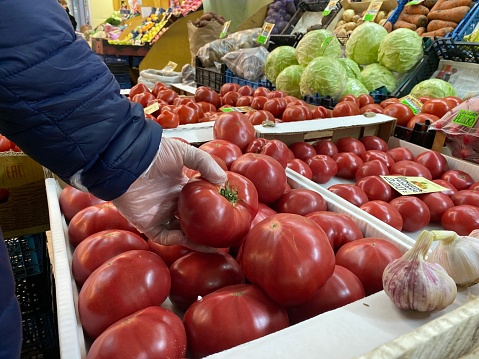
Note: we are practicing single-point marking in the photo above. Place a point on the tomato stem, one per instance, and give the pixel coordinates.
(230, 194)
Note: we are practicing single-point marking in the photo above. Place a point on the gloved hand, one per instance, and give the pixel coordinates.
(151, 202)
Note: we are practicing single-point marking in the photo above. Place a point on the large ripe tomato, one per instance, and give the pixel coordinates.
(153, 332)
(466, 196)
(421, 118)
(367, 258)
(288, 256)
(230, 98)
(224, 149)
(276, 94)
(206, 106)
(278, 150)
(365, 99)
(339, 228)
(228, 87)
(302, 150)
(256, 145)
(323, 168)
(350, 192)
(401, 112)
(376, 188)
(437, 203)
(217, 216)
(143, 98)
(414, 212)
(266, 173)
(167, 95)
(234, 127)
(276, 106)
(385, 212)
(138, 88)
(342, 288)
(169, 254)
(346, 108)
(186, 114)
(375, 108)
(350, 98)
(258, 117)
(73, 201)
(400, 154)
(374, 143)
(459, 179)
(350, 144)
(371, 168)
(456, 100)
(128, 282)
(450, 189)
(296, 113)
(235, 314)
(325, 147)
(410, 168)
(96, 249)
(378, 155)
(5, 144)
(206, 94)
(94, 219)
(462, 219)
(261, 91)
(301, 201)
(245, 90)
(321, 112)
(300, 167)
(244, 101)
(168, 119)
(258, 102)
(198, 274)
(388, 102)
(434, 161)
(474, 186)
(159, 86)
(348, 163)
(438, 107)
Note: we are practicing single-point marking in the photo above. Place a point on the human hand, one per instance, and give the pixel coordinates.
(151, 202)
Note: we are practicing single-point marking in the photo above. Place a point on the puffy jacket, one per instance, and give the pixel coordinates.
(61, 105)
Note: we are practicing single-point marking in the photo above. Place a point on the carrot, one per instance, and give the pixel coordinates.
(437, 5)
(416, 9)
(420, 30)
(439, 24)
(455, 15)
(400, 24)
(451, 4)
(388, 26)
(438, 33)
(429, 3)
(418, 20)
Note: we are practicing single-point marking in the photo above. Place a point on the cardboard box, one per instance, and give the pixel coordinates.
(25, 211)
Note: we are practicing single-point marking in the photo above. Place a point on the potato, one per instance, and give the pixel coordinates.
(356, 18)
(341, 33)
(340, 23)
(350, 26)
(349, 33)
(382, 22)
(348, 15)
(380, 15)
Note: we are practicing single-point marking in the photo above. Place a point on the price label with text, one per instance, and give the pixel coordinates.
(265, 32)
(331, 5)
(407, 185)
(170, 67)
(226, 26)
(372, 10)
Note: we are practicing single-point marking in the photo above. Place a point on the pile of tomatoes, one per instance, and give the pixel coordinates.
(7, 145)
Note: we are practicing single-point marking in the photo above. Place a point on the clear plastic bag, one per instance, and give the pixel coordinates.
(188, 75)
(247, 63)
(150, 77)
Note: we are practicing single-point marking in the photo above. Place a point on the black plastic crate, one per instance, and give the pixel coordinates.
(461, 51)
(378, 95)
(112, 59)
(284, 40)
(119, 68)
(34, 293)
(317, 6)
(123, 80)
(40, 339)
(419, 135)
(27, 254)
(135, 61)
(232, 78)
(209, 77)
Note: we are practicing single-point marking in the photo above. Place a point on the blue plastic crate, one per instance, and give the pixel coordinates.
(467, 25)
(136, 60)
(231, 78)
(112, 59)
(26, 254)
(378, 95)
(123, 80)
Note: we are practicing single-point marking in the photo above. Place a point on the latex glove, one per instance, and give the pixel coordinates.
(151, 202)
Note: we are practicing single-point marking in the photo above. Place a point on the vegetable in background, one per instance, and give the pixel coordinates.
(354, 87)
(279, 59)
(435, 88)
(352, 69)
(317, 43)
(376, 75)
(400, 50)
(279, 13)
(363, 45)
(323, 75)
(288, 80)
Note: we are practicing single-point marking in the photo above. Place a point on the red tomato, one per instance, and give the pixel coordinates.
(388, 102)
(399, 111)
(400, 154)
(245, 90)
(167, 95)
(215, 216)
(367, 258)
(258, 117)
(153, 332)
(371, 168)
(150, 117)
(73, 200)
(160, 103)
(302, 150)
(94, 219)
(437, 203)
(339, 228)
(466, 196)
(225, 150)
(342, 288)
(256, 145)
(276, 94)
(99, 247)
(133, 280)
(350, 98)
(325, 147)
(414, 212)
(300, 167)
(365, 99)
(424, 99)
(438, 107)
(159, 86)
(378, 155)
(350, 144)
(474, 186)
(450, 189)
(228, 87)
(244, 101)
(459, 179)
(168, 119)
(138, 88)
(265, 172)
(462, 219)
(182, 101)
(346, 108)
(457, 101)
(321, 112)
(375, 188)
(143, 98)
(410, 168)
(384, 212)
(375, 108)
(236, 314)
(234, 127)
(276, 106)
(198, 274)
(258, 102)
(169, 254)
(348, 163)
(434, 161)
(300, 201)
(350, 193)
(278, 150)
(374, 143)
(296, 113)
(186, 114)
(322, 167)
(205, 94)
(207, 107)
(421, 118)
(230, 98)
(261, 91)
(288, 256)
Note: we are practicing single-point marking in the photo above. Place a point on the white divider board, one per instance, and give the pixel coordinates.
(194, 133)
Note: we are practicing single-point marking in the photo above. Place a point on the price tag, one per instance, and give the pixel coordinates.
(265, 32)
(226, 26)
(331, 5)
(412, 185)
(372, 11)
(414, 2)
(238, 109)
(466, 118)
(170, 67)
(152, 108)
(413, 103)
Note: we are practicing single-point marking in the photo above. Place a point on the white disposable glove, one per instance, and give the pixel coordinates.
(151, 202)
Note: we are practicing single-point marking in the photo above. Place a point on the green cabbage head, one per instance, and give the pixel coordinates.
(355, 87)
(436, 88)
(352, 68)
(323, 75)
(279, 59)
(376, 75)
(288, 80)
(317, 43)
(363, 44)
(400, 50)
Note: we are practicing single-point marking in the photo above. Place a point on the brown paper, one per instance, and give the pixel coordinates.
(200, 36)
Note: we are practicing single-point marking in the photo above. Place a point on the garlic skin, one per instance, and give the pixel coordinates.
(412, 283)
(458, 255)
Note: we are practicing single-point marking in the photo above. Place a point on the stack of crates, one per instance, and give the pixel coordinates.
(34, 290)
(120, 68)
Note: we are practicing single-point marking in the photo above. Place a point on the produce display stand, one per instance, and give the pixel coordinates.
(102, 47)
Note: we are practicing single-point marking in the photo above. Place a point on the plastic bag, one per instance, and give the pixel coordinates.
(461, 126)
(247, 63)
(188, 75)
(200, 36)
(150, 77)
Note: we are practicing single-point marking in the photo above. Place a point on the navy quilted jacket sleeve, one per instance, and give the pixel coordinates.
(61, 105)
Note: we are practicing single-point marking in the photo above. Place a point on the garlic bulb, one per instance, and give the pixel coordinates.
(458, 255)
(414, 284)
